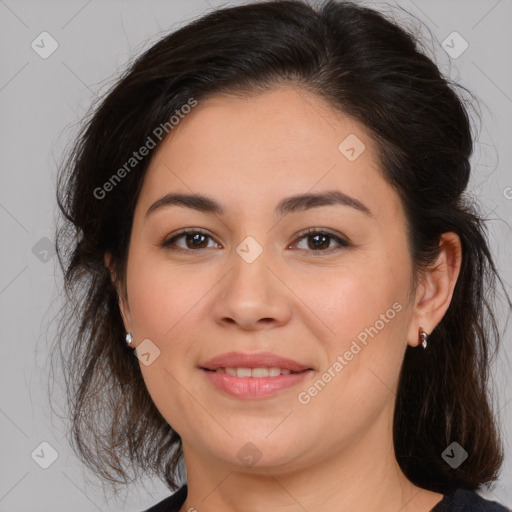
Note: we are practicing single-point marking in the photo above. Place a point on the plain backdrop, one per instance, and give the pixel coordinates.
(42, 98)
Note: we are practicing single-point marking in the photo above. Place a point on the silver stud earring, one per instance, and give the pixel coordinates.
(129, 338)
(423, 337)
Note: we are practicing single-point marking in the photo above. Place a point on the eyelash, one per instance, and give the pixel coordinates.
(168, 244)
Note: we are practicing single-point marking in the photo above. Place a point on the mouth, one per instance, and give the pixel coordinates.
(253, 376)
(257, 373)
(253, 383)
(259, 364)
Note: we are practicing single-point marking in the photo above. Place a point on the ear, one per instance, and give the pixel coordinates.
(122, 299)
(435, 291)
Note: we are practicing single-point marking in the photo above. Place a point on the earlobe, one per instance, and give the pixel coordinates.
(435, 291)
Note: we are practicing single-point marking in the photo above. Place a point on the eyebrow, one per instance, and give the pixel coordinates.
(291, 204)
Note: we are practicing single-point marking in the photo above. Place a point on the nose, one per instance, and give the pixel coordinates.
(253, 296)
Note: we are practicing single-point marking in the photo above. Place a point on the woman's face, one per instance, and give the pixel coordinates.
(254, 281)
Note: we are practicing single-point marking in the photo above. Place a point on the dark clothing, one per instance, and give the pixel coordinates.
(172, 503)
(460, 500)
(463, 500)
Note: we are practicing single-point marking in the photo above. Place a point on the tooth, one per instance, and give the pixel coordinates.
(243, 372)
(254, 372)
(260, 372)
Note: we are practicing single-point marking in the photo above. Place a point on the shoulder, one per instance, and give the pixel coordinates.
(465, 500)
(172, 503)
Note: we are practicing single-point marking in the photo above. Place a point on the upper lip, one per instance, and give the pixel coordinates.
(255, 360)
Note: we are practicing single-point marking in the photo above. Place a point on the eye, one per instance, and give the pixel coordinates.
(320, 241)
(193, 239)
(196, 240)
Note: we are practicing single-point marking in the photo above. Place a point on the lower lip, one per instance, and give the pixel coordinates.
(253, 387)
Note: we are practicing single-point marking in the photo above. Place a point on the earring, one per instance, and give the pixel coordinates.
(423, 337)
(129, 338)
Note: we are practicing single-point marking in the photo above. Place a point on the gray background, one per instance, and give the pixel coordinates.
(41, 100)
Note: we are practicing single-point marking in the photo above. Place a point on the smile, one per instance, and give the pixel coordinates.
(253, 383)
(254, 372)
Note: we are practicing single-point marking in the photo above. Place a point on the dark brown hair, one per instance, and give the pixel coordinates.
(372, 70)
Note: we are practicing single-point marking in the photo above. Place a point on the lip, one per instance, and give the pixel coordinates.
(253, 387)
(254, 360)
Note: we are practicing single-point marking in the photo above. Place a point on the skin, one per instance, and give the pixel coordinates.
(248, 153)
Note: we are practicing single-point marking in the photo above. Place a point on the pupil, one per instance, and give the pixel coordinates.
(316, 237)
(196, 238)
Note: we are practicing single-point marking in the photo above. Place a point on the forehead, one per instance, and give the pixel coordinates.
(253, 150)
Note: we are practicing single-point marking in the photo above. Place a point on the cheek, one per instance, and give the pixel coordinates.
(355, 298)
(165, 303)
(161, 295)
(367, 317)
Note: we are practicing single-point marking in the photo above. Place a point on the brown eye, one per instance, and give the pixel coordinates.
(193, 240)
(319, 241)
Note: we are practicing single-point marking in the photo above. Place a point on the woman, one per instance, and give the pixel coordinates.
(270, 208)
